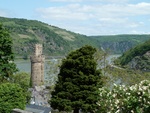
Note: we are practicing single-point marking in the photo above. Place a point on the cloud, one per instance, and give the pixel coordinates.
(139, 9)
(65, 0)
(95, 16)
(69, 12)
(83, 12)
(114, 20)
(112, 1)
(135, 25)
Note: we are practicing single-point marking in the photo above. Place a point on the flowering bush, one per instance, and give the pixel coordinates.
(125, 99)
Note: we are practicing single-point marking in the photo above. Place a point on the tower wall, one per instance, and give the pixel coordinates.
(37, 66)
(38, 50)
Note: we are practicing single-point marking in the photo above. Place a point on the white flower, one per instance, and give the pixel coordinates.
(128, 93)
(139, 93)
(114, 95)
(144, 87)
(118, 111)
(117, 101)
(125, 94)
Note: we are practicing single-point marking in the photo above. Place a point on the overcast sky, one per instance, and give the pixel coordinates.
(88, 17)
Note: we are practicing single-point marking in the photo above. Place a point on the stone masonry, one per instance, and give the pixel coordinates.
(37, 66)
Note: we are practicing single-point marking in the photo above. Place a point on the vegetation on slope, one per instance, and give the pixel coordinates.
(117, 38)
(56, 41)
(120, 43)
(139, 52)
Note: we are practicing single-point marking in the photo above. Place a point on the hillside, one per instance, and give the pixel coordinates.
(137, 57)
(56, 41)
(119, 44)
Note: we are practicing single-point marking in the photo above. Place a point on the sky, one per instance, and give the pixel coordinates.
(88, 17)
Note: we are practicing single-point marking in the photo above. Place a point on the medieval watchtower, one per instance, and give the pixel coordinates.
(37, 66)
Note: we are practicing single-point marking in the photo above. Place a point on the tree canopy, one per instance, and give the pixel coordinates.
(23, 80)
(78, 82)
(7, 67)
(11, 96)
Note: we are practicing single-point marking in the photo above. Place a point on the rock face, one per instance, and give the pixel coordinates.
(119, 47)
(141, 62)
(40, 96)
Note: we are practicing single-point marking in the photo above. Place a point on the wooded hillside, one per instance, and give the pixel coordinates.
(57, 41)
(137, 57)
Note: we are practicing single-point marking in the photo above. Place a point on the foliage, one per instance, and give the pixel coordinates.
(118, 38)
(124, 76)
(78, 82)
(136, 51)
(11, 96)
(118, 44)
(55, 41)
(125, 99)
(7, 66)
(141, 63)
(23, 80)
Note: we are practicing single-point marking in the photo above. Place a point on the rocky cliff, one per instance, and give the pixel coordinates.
(137, 58)
(141, 62)
(117, 47)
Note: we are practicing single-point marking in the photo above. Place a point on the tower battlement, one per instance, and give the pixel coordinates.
(37, 66)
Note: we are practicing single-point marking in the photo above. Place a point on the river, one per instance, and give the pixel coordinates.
(51, 68)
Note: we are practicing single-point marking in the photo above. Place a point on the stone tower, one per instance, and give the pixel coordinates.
(37, 66)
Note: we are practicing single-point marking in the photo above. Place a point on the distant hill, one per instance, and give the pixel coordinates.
(137, 57)
(57, 41)
(119, 44)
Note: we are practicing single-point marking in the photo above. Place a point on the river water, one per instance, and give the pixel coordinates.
(25, 65)
(51, 67)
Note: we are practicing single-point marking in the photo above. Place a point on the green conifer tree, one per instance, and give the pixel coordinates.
(78, 82)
